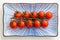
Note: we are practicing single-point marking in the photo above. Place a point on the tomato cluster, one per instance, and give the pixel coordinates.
(30, 19)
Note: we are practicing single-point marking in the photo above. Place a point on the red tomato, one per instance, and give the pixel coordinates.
(37, 23)
(13, 24)
(21, 24)
(41, 14)
(48, 15)
(29, 23)
(33, 14)
(44, 23)
(17, 14)
(26, 14)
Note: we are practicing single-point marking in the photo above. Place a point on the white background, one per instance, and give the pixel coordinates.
(28, 38)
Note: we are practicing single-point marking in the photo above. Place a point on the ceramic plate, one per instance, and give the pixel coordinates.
(10, 8)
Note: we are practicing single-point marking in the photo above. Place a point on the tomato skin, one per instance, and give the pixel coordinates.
(44, 23)
(48, 15)
(33, 14)
(41, 14)
(17, 14)
(26, 14)
(21, 24)
(37, 24)
(13, 24)
(29, 23)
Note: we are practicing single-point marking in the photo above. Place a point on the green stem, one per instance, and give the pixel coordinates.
(26, 18)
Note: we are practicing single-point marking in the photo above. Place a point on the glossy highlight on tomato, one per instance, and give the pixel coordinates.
(17, 14)
(44, 23)
(37, 24)
(26, 14)
(48, 15)
(13, 24)
(21, 24)
(29, 23)
(33, 14)
(41, 14)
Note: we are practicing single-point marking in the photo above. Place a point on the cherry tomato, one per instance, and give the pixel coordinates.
(26, 14)
(44, 23)
(13, 24)
(17, 14)
(29, 23)
(41, 14)
(48, 15)
(33, 14)
(21, 24)
(37, 23)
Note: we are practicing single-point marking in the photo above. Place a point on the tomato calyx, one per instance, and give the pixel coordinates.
(32, 14)
(17, 12)
(24, 13)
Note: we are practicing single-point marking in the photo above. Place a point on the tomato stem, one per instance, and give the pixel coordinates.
(26, 18)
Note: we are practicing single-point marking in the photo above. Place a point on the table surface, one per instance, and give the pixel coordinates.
(26, 38)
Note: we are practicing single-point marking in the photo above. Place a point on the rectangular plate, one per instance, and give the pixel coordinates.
(10, 8)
